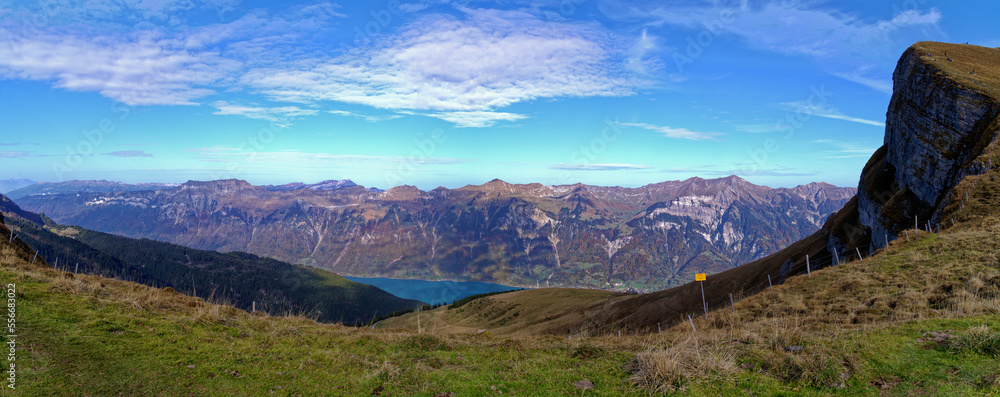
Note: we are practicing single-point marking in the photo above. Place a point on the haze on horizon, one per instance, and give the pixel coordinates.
(450, 93)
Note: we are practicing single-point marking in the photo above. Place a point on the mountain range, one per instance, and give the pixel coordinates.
(650, 237)
(7, 185)
(76, 186)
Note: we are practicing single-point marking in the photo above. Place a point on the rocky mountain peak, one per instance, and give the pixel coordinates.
(332, 184)
(221, 185)
(402, 192)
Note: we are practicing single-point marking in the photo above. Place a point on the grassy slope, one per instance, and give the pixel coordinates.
(526, 312)
(83, 335)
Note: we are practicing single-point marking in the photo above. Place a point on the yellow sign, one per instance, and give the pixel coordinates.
(699, 277)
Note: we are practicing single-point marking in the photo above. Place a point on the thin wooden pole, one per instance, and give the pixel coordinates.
(731, 303)
(692, 324)
(859, 253)
(769, 286)
(703, 302)
(34, 257)
(809, 272)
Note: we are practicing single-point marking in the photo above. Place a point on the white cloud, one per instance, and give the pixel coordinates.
(822, 110)
(276, 114)
(476, 119)
(638, 60)
(598, 167)
(365, 117)
(141, 69)
(672, 132)
(489, 60)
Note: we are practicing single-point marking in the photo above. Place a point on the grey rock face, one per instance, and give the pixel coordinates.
(934, 131)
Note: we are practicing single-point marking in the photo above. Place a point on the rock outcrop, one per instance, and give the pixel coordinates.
(942, 116)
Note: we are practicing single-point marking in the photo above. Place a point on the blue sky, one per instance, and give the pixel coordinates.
(449, 93)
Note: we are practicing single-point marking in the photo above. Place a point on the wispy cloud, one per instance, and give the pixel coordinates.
(846, 46)
(296, 158)
(476, 118)
(15, 154)
(368, 118)
(781, 172)
(843, 150)
(139, 69)
(822, 110)
(673, 132)
(758, 128)
(276, 114)
(129, 153)
(487, 60)
(144, 52)
(598, 167)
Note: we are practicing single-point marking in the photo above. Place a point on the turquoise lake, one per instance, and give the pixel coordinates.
(432, 292)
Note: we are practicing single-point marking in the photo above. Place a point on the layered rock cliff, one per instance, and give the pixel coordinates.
(940, 125)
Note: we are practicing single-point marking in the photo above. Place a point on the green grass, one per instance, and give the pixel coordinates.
(78, 338)
(88, 336)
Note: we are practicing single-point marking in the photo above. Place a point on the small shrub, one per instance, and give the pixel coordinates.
(671, 369)
(980, 339)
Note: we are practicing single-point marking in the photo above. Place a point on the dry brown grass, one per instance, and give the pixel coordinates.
(952, 275)
(974, 66)
(669, 370)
